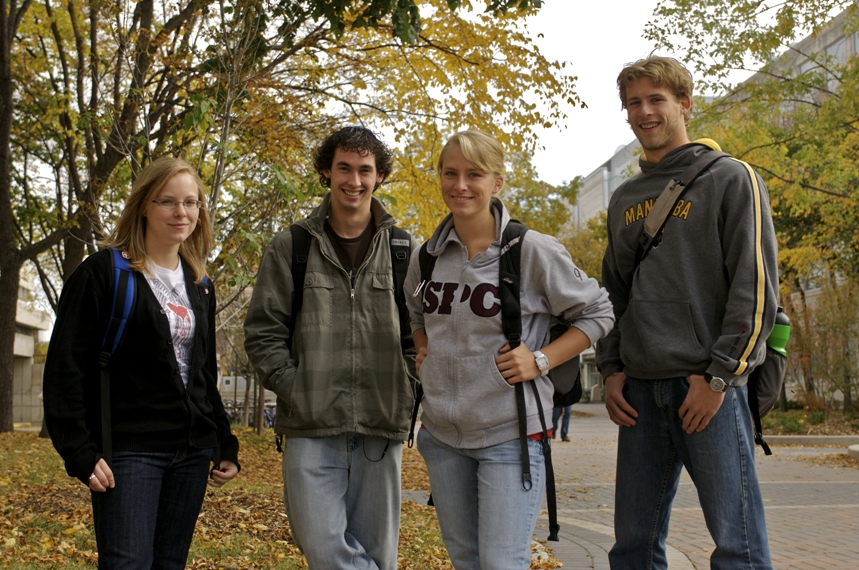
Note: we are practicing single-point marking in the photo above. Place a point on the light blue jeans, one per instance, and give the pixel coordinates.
(486, 517)
(342, 497)
(721, 462)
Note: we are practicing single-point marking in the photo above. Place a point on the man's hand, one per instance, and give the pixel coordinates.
(700, 405)
(517, 365)
(222, 473)
(618, 408)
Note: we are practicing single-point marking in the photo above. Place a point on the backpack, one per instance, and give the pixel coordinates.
(120, 308)
(401, 252)
(767, 379)
(566, 377)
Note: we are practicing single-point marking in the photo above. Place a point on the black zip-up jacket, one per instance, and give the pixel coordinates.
(151, 410)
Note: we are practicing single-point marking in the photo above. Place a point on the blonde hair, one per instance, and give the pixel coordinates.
(478, 148)
(662, 71)
(130, 231)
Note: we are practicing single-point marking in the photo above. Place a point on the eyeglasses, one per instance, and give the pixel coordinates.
(172, 204)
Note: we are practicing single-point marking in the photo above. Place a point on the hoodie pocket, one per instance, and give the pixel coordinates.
(660, 335)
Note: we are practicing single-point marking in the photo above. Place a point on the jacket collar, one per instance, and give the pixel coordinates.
(315, 222)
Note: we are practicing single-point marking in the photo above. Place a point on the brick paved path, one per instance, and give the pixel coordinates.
(812, 510)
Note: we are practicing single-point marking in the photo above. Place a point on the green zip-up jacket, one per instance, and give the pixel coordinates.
(346, 371)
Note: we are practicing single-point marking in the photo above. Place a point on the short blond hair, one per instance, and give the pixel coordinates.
(662, 71)
(130, 231)
(479, 148)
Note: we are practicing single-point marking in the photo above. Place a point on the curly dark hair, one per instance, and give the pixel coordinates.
(352, 139)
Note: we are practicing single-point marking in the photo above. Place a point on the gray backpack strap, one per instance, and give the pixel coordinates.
(655, 221)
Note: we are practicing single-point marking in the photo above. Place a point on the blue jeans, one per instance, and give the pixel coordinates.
(342, 497)
(721, 462)
(565, 424)
(147, 520)
(486, 517)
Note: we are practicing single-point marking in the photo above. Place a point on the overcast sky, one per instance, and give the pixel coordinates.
(596, 39)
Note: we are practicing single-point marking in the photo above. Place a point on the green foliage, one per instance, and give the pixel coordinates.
(537, 204)
(587, 245)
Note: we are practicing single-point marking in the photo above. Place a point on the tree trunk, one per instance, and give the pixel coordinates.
(260, 420)
(9, 274)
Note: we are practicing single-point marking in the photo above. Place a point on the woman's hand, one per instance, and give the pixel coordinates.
(102, 477)
(223, 473)
(421, 356)
(517, 365)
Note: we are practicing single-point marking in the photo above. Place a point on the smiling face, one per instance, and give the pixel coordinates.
(466, 189)
(657, 117)
(167, 229)
(353, 179)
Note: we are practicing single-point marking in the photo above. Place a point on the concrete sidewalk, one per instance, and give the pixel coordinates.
(812, 509)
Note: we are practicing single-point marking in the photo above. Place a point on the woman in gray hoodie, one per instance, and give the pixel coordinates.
(469, 434)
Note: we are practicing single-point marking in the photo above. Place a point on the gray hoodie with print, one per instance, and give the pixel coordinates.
(467, 403)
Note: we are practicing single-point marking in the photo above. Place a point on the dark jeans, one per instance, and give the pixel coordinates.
(147, 520)
(565, 424)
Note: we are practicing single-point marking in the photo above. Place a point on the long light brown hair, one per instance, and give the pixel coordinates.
(130, 231)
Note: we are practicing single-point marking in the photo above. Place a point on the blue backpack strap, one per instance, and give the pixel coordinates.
(123, 299)
(120, 309)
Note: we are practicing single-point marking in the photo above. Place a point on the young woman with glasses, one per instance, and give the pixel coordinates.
(168, 425)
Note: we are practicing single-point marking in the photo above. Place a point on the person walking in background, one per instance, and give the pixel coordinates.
(566, 411)
(691, 324)
(168, 423)
(344, 375)
(469, 436)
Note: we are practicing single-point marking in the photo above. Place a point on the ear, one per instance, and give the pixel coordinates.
(499, 184)
(686, 104)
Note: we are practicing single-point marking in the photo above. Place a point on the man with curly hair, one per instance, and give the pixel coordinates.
(343, 379)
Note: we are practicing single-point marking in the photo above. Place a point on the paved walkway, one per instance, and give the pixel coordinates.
(812, 509)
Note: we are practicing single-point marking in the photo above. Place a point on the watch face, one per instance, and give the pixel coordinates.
(542, 362)
(717, 384)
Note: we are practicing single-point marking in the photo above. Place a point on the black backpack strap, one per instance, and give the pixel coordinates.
(301, 240)
(401, 252)
(551, 496)
(511, 321)
(656, 219)
(427, 264)
(120, 309)
(754, 407)
(511, 317)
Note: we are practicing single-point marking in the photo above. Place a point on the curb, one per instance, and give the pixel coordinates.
(853, 451)
(813, 440)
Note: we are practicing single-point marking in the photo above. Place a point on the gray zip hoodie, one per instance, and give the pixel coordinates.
(467, 403)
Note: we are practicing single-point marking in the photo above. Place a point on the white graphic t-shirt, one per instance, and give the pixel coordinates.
(169, 288)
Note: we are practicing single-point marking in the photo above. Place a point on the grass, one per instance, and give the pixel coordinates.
(46, 517)
(806, 421)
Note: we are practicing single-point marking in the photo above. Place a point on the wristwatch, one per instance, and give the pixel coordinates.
(716, 383)
(542, 362)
